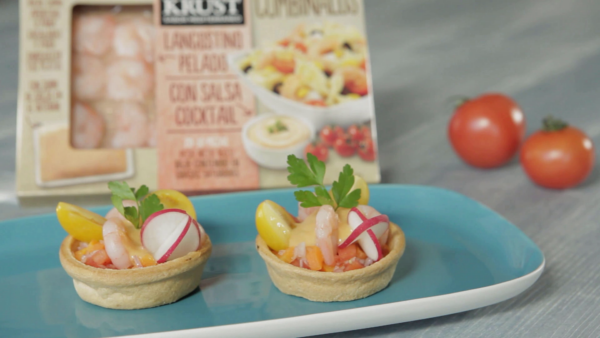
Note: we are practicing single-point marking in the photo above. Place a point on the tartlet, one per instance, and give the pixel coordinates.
(135, 288)
(149, 250)
(322, 286)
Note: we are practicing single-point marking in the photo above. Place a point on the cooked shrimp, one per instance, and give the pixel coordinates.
(135, 39)
(113, 232)
(370, 212)
(89, 77)
(265, 60)
(355, 80)
(129, 80)
(303, 213)
(318, 47)
(284, 61)
(131, 126)
(92, 33)
(290, 87)
(87, 128)
(326, 230)
(114, 213)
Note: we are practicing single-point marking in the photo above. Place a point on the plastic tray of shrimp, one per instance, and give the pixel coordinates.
(86, 96)
(112, 77)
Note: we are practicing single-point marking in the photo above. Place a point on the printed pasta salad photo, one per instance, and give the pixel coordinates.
(316, 64)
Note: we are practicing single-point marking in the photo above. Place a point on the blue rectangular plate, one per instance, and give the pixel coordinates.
(459, 255)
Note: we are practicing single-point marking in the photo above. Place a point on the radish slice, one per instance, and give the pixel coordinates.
(379, 223)
(366, 231)
(169, 246)
(154, 238)
(374, 240)
(201, 233)
(169, 234)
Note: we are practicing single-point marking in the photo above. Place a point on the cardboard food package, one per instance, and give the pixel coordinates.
(198, 96)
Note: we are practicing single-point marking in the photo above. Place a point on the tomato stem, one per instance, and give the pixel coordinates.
(457, 100)
(551, 123)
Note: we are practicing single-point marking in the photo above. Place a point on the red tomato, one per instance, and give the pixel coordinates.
(345, 146)
(366, 130)
(331, 133)
(366, 150)
(356, 132)
(317, 149)
(558, 156)
(486, 131)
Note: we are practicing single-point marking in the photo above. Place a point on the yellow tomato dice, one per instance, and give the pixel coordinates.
(173, 199)
(80, 223)
(147, 260)
(274, 225)
(288, 255)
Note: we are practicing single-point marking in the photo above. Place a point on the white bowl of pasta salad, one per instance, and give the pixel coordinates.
(318, 72)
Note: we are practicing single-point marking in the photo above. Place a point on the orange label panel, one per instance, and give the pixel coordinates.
(202, 107)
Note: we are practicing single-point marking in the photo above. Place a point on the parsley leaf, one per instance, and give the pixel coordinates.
(307, 199)
(277, 127)
(303, 175)
(141, 192)
(323, 196)
(122, 190)
(350, 200)
(145, 205)
(341, 187)
(118, 203)
(150, 205)
(131, 214)
(318, 167)
(300, 174)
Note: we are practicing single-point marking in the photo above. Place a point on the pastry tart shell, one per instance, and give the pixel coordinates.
(322, 286)
(137, 288)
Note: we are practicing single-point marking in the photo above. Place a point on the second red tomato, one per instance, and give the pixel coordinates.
(558, 156)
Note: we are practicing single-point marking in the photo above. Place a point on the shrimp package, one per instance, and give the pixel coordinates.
(86, 106)
(198, 96)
